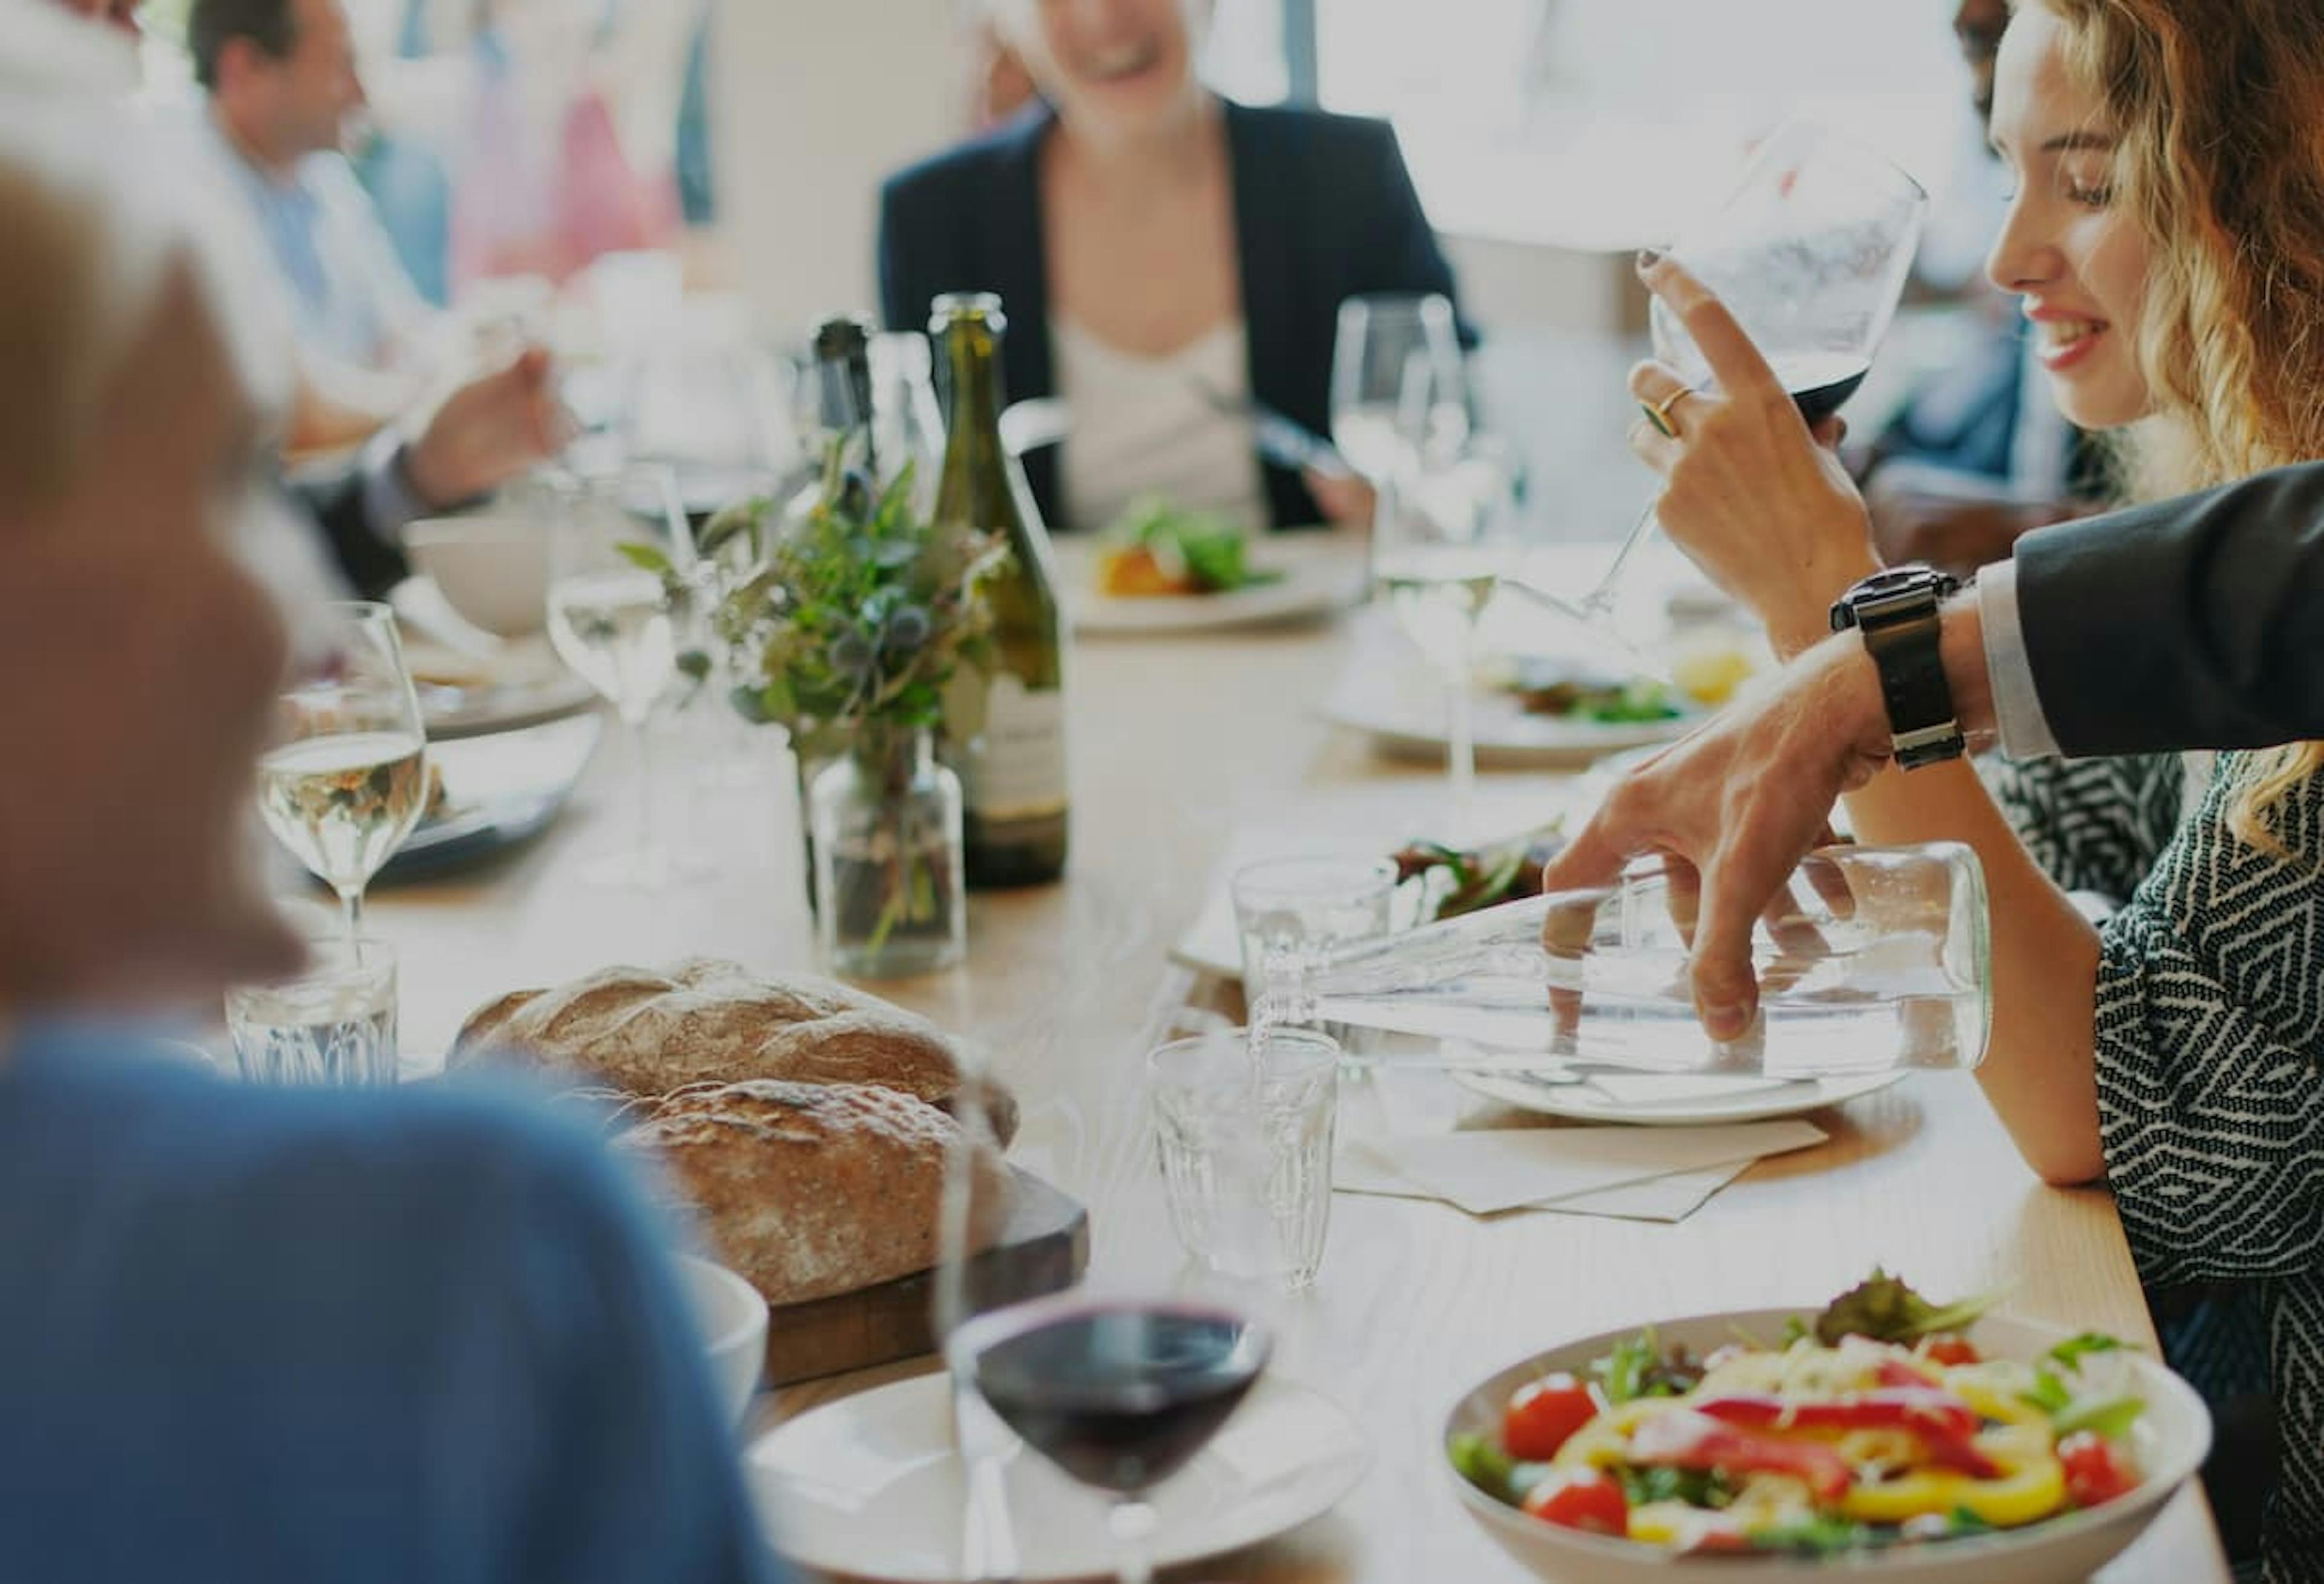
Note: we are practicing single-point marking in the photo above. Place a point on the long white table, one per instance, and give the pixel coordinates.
(1175, 742)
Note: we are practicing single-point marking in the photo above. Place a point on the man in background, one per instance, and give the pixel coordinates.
(485, 432)
(283, 93)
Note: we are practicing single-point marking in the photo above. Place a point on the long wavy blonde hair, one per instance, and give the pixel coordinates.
(2217, 106)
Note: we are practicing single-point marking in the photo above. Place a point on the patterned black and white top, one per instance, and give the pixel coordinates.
(2209, 1039)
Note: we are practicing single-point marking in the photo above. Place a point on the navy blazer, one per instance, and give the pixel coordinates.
(1323, 209)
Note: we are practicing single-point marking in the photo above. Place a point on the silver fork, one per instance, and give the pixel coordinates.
(988, 1542)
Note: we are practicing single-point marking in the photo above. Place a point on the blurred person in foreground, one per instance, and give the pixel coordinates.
(359, 1336)
(2167, 239)
(1163, 256)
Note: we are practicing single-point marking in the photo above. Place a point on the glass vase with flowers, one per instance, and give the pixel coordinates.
(860, 628)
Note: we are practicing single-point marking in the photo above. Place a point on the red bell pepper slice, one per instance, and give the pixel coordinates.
(1683, 1439)
(1944, 1425)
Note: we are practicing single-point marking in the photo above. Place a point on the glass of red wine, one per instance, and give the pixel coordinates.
(1118, 1383)
(1809, 250)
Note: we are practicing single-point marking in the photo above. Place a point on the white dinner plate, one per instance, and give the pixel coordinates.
(1387, 692)
(1674, 1099)
(869, 1486)
(2171, 1440)
(1323, 572)
(470, 683)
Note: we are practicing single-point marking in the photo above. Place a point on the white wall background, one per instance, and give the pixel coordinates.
(815, 101)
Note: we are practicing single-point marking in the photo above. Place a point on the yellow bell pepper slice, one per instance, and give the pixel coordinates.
(2031, 1486)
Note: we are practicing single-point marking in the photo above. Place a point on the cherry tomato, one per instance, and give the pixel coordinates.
(1542, 1414)
(2097, 1470)
(1948, 1351)
(1581, 1498)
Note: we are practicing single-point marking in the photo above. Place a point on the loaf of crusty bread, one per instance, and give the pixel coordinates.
(810, 1189)
(646, 1033)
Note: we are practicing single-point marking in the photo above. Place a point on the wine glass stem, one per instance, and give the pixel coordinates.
(351, 912)
(1131, 1524)
(1610, 586)
(642, 731)
(1461, 733)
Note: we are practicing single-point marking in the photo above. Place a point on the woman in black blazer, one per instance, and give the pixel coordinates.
(1147, 213)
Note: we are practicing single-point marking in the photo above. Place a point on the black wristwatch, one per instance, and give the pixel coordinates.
(1897, 611)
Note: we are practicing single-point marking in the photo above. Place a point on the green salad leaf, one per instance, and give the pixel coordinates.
(1212, 550)
(2074, 1349)
(1885, 1309)
(2048, 1394)
(1639, 1368)
(2111, 1417)
(1822, 1535)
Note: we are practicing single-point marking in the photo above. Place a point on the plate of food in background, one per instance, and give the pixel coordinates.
(1165, 568)
(1537, 710)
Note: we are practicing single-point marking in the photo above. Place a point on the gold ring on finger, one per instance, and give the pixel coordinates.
(1661, 410)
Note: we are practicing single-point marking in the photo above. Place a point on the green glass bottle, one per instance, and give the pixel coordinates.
(1012, 767)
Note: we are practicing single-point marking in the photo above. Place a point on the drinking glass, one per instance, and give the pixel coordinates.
(334, 1024)
(346, 777)
(1118, 1382)
(622, 596)
(1810, 252)
(1241, 1122)
(1308, 905)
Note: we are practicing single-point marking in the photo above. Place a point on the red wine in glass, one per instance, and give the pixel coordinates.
(1819, 382)
(1119, 1395)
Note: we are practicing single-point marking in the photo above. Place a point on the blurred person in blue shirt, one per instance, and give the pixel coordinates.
(283, 96)
(251, 1335)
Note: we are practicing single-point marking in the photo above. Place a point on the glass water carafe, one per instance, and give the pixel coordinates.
(1873, 958)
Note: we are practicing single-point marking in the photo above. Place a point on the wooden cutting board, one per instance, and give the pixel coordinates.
(1044, 1247)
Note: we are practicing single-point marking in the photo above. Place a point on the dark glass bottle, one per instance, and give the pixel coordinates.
(841, 373)
(1012, 766)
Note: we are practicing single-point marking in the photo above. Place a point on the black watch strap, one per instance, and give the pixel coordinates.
(1897, 611)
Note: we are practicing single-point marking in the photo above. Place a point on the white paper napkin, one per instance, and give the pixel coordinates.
(1496, 1170)
(1671, 1198)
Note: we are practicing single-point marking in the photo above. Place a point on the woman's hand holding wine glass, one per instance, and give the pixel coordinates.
(1752, 494)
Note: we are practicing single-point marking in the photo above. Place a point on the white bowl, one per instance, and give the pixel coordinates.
(2171, 1440)
(492, 570)
(733, 1321)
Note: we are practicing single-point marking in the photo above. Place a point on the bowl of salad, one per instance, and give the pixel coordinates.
(1884, 1434)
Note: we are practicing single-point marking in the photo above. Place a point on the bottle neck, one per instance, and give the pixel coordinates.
(843, 395)
(973, 388)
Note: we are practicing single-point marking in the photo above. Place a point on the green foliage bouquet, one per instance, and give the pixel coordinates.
(857, 617)
(861, 628)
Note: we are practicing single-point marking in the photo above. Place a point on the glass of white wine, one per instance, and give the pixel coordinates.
(620, 590)
(348, 777)
(1439, 552)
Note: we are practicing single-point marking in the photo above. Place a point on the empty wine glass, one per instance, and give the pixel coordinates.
(348, 776)
(1384, 418)
(1810, 252)
(621, 594)
(1118, 1382)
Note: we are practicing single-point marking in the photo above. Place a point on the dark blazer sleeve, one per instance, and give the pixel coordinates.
(903, 296)
(1404, 251)
(2196, 622)
(369, 561)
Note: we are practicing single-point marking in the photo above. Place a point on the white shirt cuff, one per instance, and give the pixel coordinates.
(2016, 703)
(389, 505)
